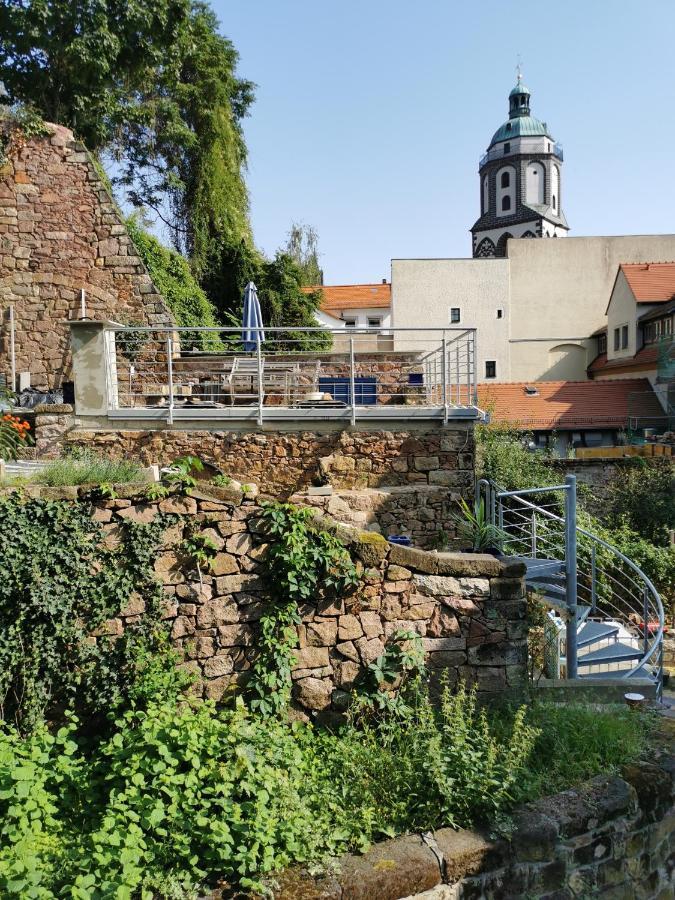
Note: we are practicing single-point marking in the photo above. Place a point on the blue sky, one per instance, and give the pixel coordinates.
(371, 116)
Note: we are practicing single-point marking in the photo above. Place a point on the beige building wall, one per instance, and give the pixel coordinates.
(559, 296)
(425, 290)
(553, 293)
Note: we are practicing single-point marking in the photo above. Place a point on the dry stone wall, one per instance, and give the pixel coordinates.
(469, 610)
(612, 838)
(60, 232)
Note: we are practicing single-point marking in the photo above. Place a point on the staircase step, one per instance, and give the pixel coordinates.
(642, 672)
(595, 631)
(554, 591)
(614, 653)
(544, 567)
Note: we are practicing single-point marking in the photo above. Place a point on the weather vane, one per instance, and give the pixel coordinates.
(519, 70)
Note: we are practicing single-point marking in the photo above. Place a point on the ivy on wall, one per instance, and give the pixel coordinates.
(59, 584)
(304, 564)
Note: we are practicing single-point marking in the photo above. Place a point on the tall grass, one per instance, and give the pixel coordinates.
(88, 468)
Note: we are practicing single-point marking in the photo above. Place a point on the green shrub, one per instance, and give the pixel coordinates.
(643, 497)
(174, 280)
(576, 742)
(502, 457)
(89, 468)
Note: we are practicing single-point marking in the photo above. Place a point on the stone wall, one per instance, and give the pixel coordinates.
(612, 837)
(60, 232)
(601, 474)
(289, 460)
(468, 609)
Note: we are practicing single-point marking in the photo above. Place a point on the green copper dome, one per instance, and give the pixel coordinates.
(519, 89)
(520, 126)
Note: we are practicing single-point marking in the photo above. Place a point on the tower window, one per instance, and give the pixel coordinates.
(507, 147)
(506, 179)
(554, 201)
(500, 313)
(506, 202)
(490, 368)
(455, 315)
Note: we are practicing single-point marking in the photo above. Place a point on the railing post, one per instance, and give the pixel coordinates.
(534, 534)
(474, 344)
(352, 380)
(571, 572)
(594, 586)
(444, 387)
(169, 372)
(645, 616)
(261, 396)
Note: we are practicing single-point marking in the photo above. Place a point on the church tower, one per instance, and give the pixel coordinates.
(520, 181)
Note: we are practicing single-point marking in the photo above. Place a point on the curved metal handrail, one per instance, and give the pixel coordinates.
(656, 638)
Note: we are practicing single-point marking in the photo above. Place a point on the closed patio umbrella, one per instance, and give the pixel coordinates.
(251, 319)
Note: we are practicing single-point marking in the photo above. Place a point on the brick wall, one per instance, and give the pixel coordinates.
(61, 232)
(468, 609)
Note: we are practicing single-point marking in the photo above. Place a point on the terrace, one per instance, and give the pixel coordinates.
(285, 374)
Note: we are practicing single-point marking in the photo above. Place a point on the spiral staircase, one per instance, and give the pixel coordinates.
(605, 617)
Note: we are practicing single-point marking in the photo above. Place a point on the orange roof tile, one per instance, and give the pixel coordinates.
(571, 404)
(650, 282)
(645, 358)
(353, 296)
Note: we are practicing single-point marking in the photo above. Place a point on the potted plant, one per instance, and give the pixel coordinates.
(474, 526)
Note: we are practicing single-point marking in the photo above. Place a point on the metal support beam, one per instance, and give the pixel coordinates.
(261, 396)
(352, 381)
(571, 573)
(169, 372)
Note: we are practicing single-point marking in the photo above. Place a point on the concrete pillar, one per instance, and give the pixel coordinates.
(94, 366)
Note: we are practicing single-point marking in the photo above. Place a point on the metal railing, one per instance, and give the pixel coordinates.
(599, 579)
(305, 372)
(498, 153)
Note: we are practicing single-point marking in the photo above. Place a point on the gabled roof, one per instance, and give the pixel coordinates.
(548, 405)
(336, 297)
(652, 282)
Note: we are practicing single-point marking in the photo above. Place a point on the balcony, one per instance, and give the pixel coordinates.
(291, 375)
(498, 153)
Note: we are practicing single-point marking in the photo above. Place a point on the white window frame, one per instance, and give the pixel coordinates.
(459, 315)
(487, 363)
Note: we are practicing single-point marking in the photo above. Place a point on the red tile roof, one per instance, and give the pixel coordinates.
(647, 358)
(570, 404)
(335, 297)
(650, 282)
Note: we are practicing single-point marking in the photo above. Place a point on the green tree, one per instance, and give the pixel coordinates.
(80, 64)
(302, 246)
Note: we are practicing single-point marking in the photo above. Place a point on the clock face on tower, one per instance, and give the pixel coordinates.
(520, 181)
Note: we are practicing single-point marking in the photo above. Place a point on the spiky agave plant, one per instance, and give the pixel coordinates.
(473, 525)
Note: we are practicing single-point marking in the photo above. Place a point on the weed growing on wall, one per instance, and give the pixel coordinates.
(304, 563)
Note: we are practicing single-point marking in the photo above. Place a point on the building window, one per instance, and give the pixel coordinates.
(602, 343)
(350, 323)
(507, 147)
(455, 315)
(374, 322)
(506, 179)
(624, 336)
(500, 313)
(617, 338)
(490, 368)
(506, 202)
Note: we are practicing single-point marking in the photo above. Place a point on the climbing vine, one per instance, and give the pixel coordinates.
(59, 586)
(305, 564)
